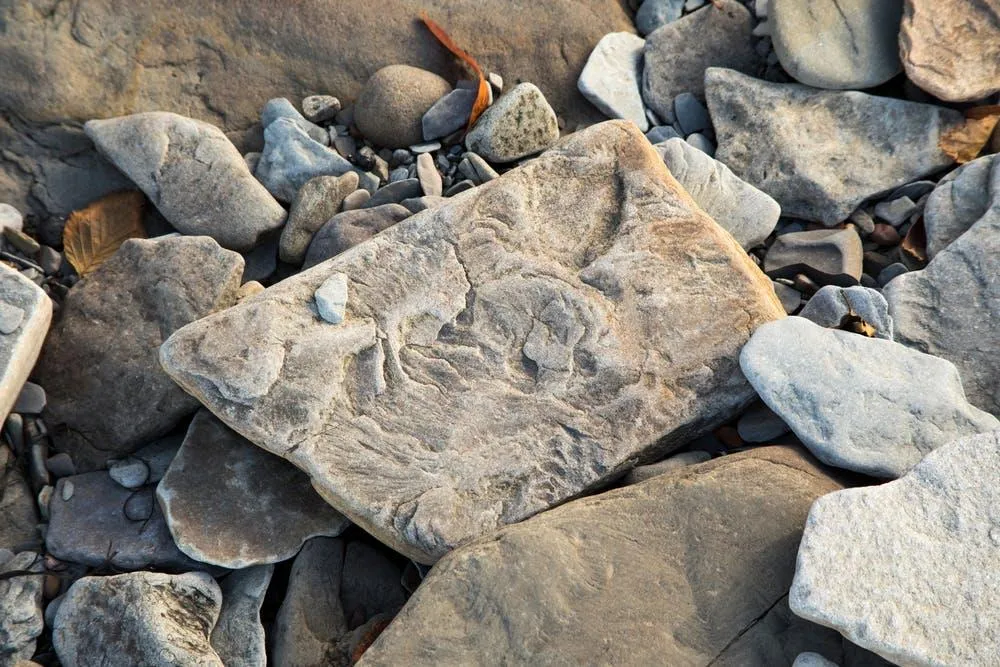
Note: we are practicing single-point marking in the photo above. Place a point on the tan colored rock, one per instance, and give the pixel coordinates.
(20, 348)
(529, 340)
(671, 571)
(951, 48)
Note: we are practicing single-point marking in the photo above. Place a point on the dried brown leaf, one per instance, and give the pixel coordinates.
(94, 233)
(483, 93)
(963, 142)
(914, 244)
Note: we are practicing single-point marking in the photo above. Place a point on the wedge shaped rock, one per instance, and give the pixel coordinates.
(631, 575)
(821, 153)
(959, 200)
(192, 173)
(230, 503)
(527, 341)
(859, 403)
(20, 347)
(908, 569)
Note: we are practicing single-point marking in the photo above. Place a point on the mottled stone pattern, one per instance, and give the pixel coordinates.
(533, 338)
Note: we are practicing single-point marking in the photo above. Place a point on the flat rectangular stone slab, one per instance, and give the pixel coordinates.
(532, 339)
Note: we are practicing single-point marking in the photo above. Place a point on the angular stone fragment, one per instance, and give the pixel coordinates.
(141, 618)
(527, 341)
(633, 575)
(612, 77)
(908, 569)
(331, 298)
(280, 107)
(820, 153)
(518, 124)
(102, 524)
(828, 256)
(449, 114)
(19, 349)
(837, 44)
(951, 48)
(230, 503)
(107, 394)
(316, 202)
(959, 200)
(950, 309)
(18, 516)
(839, 308)
(238, 637)
(20, 606)
(192, 173)
(349, 228)
(677, 55)
(742, 210)
(859, 403)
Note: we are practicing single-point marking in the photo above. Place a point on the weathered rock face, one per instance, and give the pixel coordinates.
(238, 637)
(959, 200)
(859, 403)
(908, 569)
(106, 391)
(951, 48)
(19, 349)
(21, 603)
(192, 173)
(532, 338)
(821, 153)
(632, 575)
(950, 309)
(18, 516)
(230, 503)
(141, 618)
(220, 63)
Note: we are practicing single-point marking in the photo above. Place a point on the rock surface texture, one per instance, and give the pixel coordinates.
(527, 341)
(238, 637)
(631, 575)
(19, 349)
(520, 123)
(612, 77)
(915, 582)
(859, 403)
(392, 104)
(959, 200)
(821, 153)
(108, 399)
(192, 173)
(21, 605)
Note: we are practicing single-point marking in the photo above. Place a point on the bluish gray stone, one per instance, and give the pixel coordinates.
(655, 13)
(238, 636)
(832, 306)
(331, 298)
(30, 400)
(449, 114)
(662, 133)
(895, 211)
(349, 228)
(760, 424)
(702, 143)
(691, 114)
(890, 272)
(395, 192)
(612, 77)
(960, 199)
(280, 107)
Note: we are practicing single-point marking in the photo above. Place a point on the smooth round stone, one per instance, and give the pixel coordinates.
(31, 400)
(886, 275)
(10, 318)
(390, 109)
(356, 199)
(702, 143)
(691, 114)
(837, 44)
(61, 465)
(139, 506)
(130, 473)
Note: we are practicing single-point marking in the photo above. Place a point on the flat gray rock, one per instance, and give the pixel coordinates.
(21, 601)
(20, 348)
(827, 256)
(489, 363)
(633, 575)
(395, 192)
(192, 173)
(908, 569)
(102, 524)
(859, 403)
(950, 309)
(141, 618)
(518, 124)
(839, 307)
(230, 503)
(449, 114)
(349, 228)
(291, 158)
(238, 637)
(316, 202)
(740, 208)
(613, 75)
(280, 107)
(677, 55)
(837, 44)
(107, 394)
(821, 153)
(959, 200)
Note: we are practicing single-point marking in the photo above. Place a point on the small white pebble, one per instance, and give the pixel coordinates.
(67, 490)
(331, 298)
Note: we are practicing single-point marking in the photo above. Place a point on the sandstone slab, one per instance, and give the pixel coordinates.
(193, 175)
(907, 569)
(821, 153)
(632, 575)
(107, 394)
(230, 503)
(20, 348)
(859, 403)
(238, 637)
(529, 340)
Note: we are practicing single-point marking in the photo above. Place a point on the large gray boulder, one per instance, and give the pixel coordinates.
(671, 571)
(529, 340)
(821, 153)
(141, 618)
(230, 503)
(107, 394)
(908, 569)
(859, 403)
(192, 173)
(950, 308)
(959, 200)
(20, 348)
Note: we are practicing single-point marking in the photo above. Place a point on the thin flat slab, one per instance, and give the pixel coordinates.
(21, 344)
(533, 338)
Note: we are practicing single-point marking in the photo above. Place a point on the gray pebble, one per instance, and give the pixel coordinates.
(914, 190)
(760, 8)
(346, 146)
(37, 455)
(863, 221)
(130, 473)
(662, 133)
(675, 462)
(789, 297)
(418, 204)
(691, 114)
(868, 281)
(449, 114)
(50, 260)
(895, 211)
(139, 506)
(345, 117)
(67, 490)
(356, 200)
(331, 298)
(320, 108)
(10, 318)
(13, 430)
(31, 400)
(401, 156)
(832, 307)
(10, 217)
(653, 119)
(252, 159)
(428, 175)
(61, 465)
(702, 143)
(399, 174)
(484, 172)
(459, 187)
(890, 272)
(395, 193)
(760, 424)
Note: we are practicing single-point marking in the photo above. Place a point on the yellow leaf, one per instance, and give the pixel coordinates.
(94, 233)
(483, 93)
(966, 140)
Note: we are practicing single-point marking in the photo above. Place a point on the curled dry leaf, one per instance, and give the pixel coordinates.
(914, 244)
(966, 140)
(483, 93)
(94, 233)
